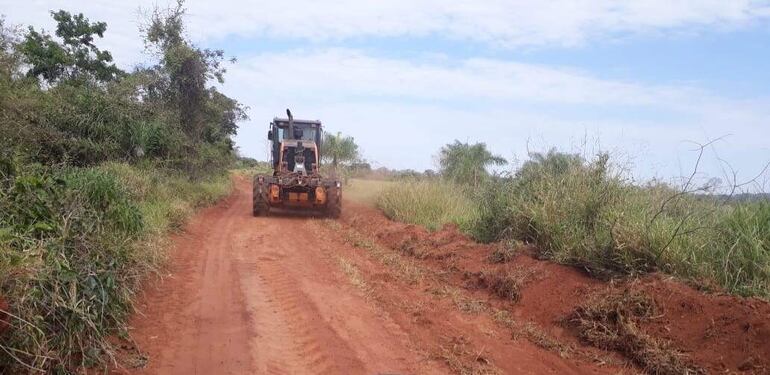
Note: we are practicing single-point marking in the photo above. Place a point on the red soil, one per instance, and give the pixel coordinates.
(720, 333)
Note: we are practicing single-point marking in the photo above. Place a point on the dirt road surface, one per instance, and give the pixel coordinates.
(290, 294)
(275, 295)
(263, 296)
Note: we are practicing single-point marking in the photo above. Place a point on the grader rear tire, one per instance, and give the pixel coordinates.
(260, 210)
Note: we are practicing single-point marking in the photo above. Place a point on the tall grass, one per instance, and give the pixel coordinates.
(587, 215)
(584, 213)
(75, 244)
(427, 203)
(365, 191)
(742, 253)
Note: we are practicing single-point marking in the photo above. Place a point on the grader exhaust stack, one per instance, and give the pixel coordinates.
(291, 123)
(295, 182)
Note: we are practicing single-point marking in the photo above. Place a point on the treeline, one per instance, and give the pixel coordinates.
(587, 213)
(96, 163)
(65, 103)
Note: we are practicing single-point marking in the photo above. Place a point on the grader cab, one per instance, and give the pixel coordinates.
(296, 182)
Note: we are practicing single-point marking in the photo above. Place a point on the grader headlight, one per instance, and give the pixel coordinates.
(275, 193)
(320, 195)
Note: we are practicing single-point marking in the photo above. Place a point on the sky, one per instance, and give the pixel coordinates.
(645, 80)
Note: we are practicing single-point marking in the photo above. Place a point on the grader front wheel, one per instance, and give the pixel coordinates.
(258, 206)
(334, 209)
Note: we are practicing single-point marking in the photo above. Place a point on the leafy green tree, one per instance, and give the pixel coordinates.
(466, 163)
(222, 117)
(76, 57)
(184, 69)
(339, 149)
(179, 84)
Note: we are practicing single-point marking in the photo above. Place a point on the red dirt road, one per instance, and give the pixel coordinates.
(263, 296)
(365, 295)
(249, 295)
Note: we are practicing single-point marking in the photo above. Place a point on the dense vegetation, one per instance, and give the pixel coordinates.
(96, 163)
(586, 213)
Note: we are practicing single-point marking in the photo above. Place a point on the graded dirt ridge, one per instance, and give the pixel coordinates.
(717, 332)
(294, 294)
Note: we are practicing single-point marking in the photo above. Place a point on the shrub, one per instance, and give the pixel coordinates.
(74, 246)
(69, 267)
(580, 212)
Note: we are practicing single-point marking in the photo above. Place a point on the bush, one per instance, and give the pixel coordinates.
(570, 213)
(75, 248)
(68, 268)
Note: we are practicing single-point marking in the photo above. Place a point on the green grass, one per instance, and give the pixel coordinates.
(581, 212)
(75, 245)
(431, 204)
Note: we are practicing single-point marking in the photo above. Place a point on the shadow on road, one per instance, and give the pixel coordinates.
(296, 213)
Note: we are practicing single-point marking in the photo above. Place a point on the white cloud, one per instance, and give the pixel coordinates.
(403, 111)
(349, 73)
(502, 23)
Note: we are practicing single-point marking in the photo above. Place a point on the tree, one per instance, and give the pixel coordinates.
(184, 68)
(339, 149)
(222, 116)
(75, 58)
(553, 163)
(180, 85)
(464, 163)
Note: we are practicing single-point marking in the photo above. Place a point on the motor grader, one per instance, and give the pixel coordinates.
(296, 183)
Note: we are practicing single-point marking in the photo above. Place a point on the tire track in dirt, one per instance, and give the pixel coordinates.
(195, 310)
(444, 329)
(298, 325)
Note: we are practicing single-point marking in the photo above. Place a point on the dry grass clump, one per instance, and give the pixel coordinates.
(354, 275)
(505, 251)
(610, 321)
(536, 335)
(505, 283)
(457, 353)
(405, 269)
(463, 303)
(410, 247)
